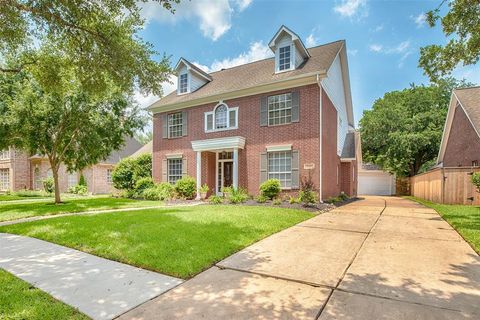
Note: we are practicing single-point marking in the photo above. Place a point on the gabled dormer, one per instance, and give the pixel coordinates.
(190, 77)
(290, 52)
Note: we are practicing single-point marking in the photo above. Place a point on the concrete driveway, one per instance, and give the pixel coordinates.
(377, 258)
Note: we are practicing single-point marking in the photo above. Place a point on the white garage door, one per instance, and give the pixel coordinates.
(376, 183)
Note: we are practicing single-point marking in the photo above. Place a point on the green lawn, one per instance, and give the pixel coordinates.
(10, 197)
(179, 241)
(465, 219)
(19, 300)
(18, 210)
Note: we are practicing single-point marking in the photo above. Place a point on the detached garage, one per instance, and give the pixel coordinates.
(374, 181)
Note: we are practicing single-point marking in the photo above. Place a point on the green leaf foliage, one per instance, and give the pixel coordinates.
(130, 170)
(270, 188)
(461, 25)
(186, 187)
(403, 129)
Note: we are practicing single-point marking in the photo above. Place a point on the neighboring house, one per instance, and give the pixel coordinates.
(372, 180)
(460, 145)
(18, 171)
(286, 117)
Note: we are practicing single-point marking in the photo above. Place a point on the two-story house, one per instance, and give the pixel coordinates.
(285, 117)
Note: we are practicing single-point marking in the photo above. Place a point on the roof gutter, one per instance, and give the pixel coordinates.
(296, 81)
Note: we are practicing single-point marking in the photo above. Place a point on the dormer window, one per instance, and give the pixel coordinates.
(221, 118)
(183, 83)
(284, 58)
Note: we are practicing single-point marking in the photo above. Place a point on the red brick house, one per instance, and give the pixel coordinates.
(286, 117)
(460, 145)
(19, 171)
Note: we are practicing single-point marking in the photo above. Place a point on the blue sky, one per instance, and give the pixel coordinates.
(383, 37)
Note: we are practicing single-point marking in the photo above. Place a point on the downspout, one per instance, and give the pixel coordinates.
(320, 189)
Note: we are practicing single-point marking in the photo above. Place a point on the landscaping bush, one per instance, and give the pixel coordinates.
(476, 180)
(277, 201)
(129, 170)
(261, 199)
(307, 192)
(238, 196)
(344, 196)
(78, 189)
(82, 181)
(49, 185)
(186, 187)
(293, 200)
(215, 199)
(142, 184)
(270, 188)
(162, 191)
(28, 193)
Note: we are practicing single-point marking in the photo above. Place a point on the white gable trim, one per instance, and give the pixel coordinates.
(448, 125)
(189, 68)
(295, 39)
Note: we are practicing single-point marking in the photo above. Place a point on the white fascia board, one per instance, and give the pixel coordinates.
(283, 147)
(219, 144)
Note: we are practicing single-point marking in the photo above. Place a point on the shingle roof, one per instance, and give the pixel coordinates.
(146, 149)
(131, 145)
(257, 73)
(348, 150)
(470, 100)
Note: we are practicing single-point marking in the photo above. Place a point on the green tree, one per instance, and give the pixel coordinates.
(403, 130)
(130, 170)
(99, 38)
(462, 25)
(68, 126)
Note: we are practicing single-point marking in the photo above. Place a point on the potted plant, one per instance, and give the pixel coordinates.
(203, 191)
(227, 191)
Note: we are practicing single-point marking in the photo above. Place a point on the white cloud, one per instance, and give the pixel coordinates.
(257, 51)
(145, 101)
(311, 40)
(213, 16)
(243, 4)
(375, 47)
(351, 8)
(378, 28)
(352, 52)
(420, 20)
(400, 48)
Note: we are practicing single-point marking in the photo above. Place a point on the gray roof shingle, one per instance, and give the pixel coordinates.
(470, 100)
(348, 151)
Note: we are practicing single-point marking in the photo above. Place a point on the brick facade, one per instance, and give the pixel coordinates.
(304, 136)
(463, 146)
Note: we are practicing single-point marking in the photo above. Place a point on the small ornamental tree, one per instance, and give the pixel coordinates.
(476, 180)
(130, 170)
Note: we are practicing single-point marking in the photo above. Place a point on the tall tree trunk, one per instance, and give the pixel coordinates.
(54, 166)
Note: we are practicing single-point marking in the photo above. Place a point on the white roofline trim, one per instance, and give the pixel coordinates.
(295, 38)
(219, 144)
(283, 147)
(188, 64)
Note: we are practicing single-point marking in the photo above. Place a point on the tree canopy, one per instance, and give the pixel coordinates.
(462, 25)
(403, 130)
(99, 38)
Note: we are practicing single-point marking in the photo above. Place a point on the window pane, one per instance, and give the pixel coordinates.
(183, 85)
(280, 167)
(4, 179)
(280, 109)
(221, 117)
(284, 58)
(174, 170)
(175, 125)
(233, 118)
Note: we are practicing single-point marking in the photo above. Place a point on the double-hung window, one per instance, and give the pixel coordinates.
(280, 167)
(109, 176)
(280, 109)
(284, 58)
(4, 154)
(174, 170)
(4, 179)
(183, 83)
(175, 125)
(221, 118)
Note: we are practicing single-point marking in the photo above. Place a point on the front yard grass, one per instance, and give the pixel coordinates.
(180, 241)
(20, 300)
(465, 219)
(13, 211)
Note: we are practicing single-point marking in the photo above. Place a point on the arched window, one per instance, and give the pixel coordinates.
(221, 117)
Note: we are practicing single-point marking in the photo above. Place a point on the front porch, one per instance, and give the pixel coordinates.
(223, 152)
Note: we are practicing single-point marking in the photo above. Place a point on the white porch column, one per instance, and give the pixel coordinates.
(199, 173)
(235, 168)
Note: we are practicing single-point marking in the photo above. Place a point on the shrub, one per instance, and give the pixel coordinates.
(277, 201)
(307, 192)
(162, 191)
(129, 170)
(261, 199)
(82, 181)
(49, 185)
(343, 196)
(238, 196)
(186, 187)
(142, 184)
(204, 188)
(28, 193)
(270, 188)
(476, 180)
(78, 189)
(293, 200)
(215, 199)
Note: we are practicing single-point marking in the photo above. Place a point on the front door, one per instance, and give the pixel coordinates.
(228, 174)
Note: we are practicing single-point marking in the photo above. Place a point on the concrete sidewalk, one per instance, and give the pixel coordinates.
(377, 258)
(100, 288)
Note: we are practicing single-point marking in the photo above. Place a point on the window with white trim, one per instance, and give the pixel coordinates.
(4, 154)
(109, 176)
(37, 179)
(221, 118)
(280, 109)
(4, 179)
(72, 179)
(183, 83)
(175, 125)
(175, 169)
(280, 167)
(284, 58)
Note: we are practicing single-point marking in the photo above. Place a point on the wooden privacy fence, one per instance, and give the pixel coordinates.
(446, 185)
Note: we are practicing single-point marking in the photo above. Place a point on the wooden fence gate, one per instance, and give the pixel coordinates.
(446, 185)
